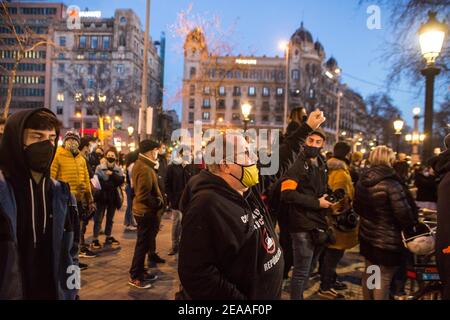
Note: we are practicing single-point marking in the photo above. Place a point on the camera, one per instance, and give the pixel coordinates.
(347, 220)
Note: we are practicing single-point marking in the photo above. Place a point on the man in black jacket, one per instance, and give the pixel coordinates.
(179, 171)
(442, 168)
(303, 191)
(229, 249)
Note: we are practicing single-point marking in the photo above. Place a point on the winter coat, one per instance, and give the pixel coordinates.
(178, 175)
(426, 188)
(442, 168)
(148, 198)
(339, 177)
(109, 183)
(386, 208)
(73, 170)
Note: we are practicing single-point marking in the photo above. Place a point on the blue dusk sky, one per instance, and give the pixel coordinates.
(258, 27)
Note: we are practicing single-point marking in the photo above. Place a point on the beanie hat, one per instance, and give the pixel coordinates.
(341, 150)
(319, 132)
(72, 135)
(147, 145)
(84, 142)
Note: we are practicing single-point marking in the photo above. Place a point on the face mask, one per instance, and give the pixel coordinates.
(426, 174)
(311, 152)
(111, 160)
(72, 147)
(250, 175)
(39, 156)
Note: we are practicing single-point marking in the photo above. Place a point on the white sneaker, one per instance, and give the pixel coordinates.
(130, 228)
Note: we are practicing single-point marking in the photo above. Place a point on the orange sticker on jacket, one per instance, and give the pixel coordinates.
(288, 185)
(446, 250)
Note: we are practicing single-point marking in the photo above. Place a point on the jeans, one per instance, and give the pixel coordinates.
(306, 254)
(145, 234)
(176, 229)
(129, 220)
(83, 223)
(385, 279)
(98, 218)
(328, 264)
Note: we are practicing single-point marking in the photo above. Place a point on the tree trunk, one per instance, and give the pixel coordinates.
(10, 90)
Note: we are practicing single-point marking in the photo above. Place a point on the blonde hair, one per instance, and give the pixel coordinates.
(382, 155)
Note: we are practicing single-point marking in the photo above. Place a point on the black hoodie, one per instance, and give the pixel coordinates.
(442, 168)
(34, 210)
(231, 251)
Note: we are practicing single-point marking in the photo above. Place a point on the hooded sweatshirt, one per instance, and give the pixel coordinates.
(442, 168)
(34, 211)
(232, 251)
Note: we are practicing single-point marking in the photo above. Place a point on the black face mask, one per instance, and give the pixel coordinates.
(39, 156)
(311, 152)
(111, 160)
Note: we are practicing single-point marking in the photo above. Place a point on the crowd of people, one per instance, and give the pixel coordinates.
(237, 234)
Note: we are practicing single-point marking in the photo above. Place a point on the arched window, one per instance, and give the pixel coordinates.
(122, 41)
(193, 72)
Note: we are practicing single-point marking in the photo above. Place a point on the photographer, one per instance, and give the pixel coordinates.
(339, 178)
(303, 192)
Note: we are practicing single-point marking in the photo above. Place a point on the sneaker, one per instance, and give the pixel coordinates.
(139, 284)
(111, 241)
(96, 244)
(130, 228)
(82, 266)
(156, 258)
(150, 276)
(86, 253)
(331, 294)
(338, 285)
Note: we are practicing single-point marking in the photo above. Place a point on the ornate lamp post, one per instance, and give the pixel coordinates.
(398, 126)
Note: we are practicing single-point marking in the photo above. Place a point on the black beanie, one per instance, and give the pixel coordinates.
(341, 150)
(319, 132)
(84, 142)
(147, 145)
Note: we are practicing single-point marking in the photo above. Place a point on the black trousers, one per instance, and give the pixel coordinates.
(327, 269)
(147, 229)
(286, 246)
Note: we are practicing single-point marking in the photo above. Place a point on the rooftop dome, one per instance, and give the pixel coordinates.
(331, 63)
(302, 35)
(318, 46)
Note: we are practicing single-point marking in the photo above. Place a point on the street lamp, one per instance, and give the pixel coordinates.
(79, 115)
(431, 38)
(130, 130)
(284, 45)
(398, 126)
(246, 108)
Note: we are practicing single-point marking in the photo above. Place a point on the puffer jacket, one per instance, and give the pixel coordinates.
(386, 207)
(73, 170)
(339, 178)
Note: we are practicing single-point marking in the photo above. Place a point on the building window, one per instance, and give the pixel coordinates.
(236, 91)
(61, 56)
(61, 67)
(82, 42)
(192, 90)
(205, 116)
(265, 106)
(60, 83)
(120, 68)
(122, 41)
(59, 110)
(104, 56)
(90, 83)
(62, 41)
(76, 125)
(106, 42)
(192, 72)
(92, 56)
(278, 119)
(206, 90)
(295, 74)
(236, 104)
(191, 103)
(89, 112)
(221, 104)
(265, 92)
(60, 97)
(252, 91)
(119, 84)
(206, 103)
(236, 117)
(191, 117)
(91, 69)
(94, 42)
(280, 91)
(265, 118)
(222, 91)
